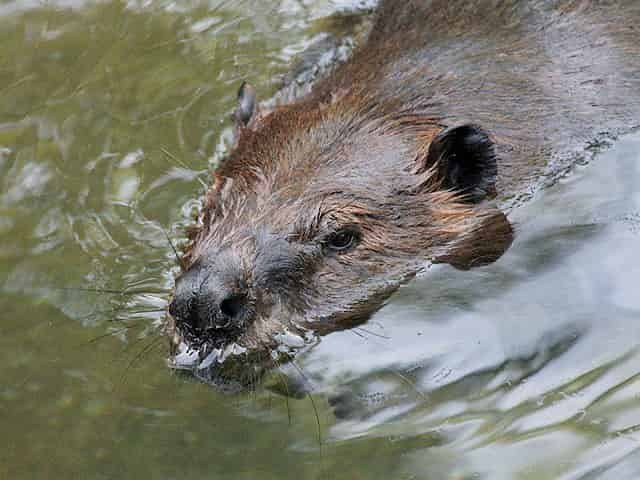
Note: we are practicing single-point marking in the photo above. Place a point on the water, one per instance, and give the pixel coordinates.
(110, 115)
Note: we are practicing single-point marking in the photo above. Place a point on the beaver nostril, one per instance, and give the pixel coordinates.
(233, 306)
(208, 304)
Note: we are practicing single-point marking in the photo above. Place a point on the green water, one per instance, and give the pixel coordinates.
(111, 114)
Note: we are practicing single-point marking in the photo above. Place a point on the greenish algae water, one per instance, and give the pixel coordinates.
(111, 115)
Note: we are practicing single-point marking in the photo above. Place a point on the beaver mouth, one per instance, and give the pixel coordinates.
(198, 356)
(221, 363)
(225, 364)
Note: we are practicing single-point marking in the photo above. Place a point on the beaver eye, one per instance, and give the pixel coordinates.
(342, 240)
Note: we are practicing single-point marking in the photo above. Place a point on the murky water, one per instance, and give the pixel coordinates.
(110, 115)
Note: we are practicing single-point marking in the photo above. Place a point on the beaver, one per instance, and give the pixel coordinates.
(448, 115)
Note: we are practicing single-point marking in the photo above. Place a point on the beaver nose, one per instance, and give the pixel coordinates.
(201, 304)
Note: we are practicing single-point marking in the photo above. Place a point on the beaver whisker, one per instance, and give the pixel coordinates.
(358, 334)
(114, 333)
(182, 164)
(283, 380)
(369, 332)
(113, 291)
(315, 409)
(178, 258)
(154, 342)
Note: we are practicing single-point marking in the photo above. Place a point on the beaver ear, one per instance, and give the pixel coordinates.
(464, 159)
(465, 162)
(246, 105)
(489, 236)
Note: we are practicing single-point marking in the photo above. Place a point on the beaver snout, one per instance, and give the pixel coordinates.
(211, 304)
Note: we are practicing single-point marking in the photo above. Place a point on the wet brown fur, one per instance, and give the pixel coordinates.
(544, 77)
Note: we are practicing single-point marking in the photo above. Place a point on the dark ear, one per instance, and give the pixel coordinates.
(466, 162)
(246, 105)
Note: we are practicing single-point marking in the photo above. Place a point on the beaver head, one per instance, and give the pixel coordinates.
(321, 211)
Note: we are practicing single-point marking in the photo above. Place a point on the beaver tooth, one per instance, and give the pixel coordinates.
(209, 359)
(231, 349)
(185, 357)
(228, 350)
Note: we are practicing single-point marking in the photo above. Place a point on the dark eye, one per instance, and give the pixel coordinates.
(342, 240)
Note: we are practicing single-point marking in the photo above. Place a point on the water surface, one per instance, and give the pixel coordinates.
(111, 115)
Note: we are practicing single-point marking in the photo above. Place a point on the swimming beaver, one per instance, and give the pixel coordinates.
(400, 157)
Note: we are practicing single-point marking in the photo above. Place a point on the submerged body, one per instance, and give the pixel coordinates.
(401, 156)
